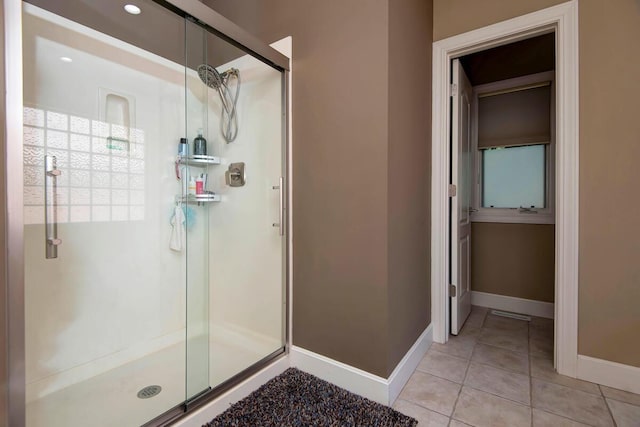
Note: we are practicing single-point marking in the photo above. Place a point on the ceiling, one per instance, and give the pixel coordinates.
(521, 58)
(156, 29)
(162, 32)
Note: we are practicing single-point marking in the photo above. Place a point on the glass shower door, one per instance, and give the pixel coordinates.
(104, 285)
(236, 102)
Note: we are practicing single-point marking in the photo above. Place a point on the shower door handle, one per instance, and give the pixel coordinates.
(280, 223)
(51, 174)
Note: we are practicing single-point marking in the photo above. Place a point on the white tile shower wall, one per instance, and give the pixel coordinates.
(116, 291)
(246, 252)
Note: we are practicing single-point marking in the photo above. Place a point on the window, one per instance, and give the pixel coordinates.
(514, 177)
(514, 151)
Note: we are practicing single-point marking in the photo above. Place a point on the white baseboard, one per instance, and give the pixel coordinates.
(611, 374)
(381, 390)
(513, 304)
(376, 388)
(353, 379)
(409, 363)
(239, 392)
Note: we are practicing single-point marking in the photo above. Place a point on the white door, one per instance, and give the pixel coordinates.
(461, 162)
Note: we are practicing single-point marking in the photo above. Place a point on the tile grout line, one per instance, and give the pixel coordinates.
(466, 371)
(500, 369)
(424, 407)
(606, 403)
(497, 395)
(501, 348)
(528, 355)
(446, 354)
(504, 332)
(509, 371)
(554, 382)
(566, 416)
(488, 392)
(453, 410)
(416, 403)
(419, 404)
(438, 376)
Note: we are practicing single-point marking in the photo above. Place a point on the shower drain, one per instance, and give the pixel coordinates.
(149, 391)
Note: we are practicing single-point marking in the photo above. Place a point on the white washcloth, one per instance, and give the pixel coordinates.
(177, 229)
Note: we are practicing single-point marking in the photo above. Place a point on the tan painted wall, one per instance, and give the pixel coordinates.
(451, 17)
(361, 251)
(609, 312)
(409, 177)
(340, 155)
(340, 188)
(609, 308)
(515, 260)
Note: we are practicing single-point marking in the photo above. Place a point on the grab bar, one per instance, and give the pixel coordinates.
(51, 173)
(280, 223)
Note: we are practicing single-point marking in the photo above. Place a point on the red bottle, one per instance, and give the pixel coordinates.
(199, 186)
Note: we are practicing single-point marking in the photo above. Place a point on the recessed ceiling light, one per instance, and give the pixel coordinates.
(65, 59)
(132, 9)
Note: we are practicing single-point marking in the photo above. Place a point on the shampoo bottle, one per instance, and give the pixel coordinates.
(183, 147)
(200, 145)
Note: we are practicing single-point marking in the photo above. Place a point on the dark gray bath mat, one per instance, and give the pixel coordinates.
(298, 399)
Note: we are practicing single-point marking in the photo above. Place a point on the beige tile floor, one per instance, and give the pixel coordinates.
(499, 372)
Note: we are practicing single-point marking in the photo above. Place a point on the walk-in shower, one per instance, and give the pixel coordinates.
(142, 296)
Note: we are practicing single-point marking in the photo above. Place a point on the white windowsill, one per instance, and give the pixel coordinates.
(512, 216)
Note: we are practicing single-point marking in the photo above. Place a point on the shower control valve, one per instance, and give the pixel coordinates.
(235, 176)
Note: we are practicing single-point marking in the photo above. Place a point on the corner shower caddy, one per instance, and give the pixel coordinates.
(201, 162)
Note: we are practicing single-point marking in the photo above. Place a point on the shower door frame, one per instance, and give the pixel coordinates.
(12, 315)
(13, 279)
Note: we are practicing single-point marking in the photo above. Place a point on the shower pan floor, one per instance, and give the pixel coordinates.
(110, 399)
(233, 351)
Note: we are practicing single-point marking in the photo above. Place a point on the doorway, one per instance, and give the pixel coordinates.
(562, 20)
(502, 168)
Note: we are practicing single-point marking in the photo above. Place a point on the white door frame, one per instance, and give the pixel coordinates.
(563, 19)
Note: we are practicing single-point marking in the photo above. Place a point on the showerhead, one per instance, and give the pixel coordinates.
(210, 76)
(219, 81)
